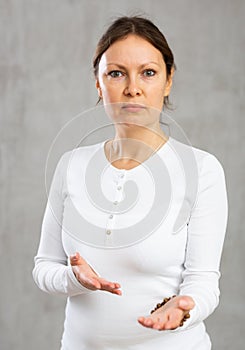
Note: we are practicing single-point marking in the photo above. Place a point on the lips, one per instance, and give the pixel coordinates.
(133, 107)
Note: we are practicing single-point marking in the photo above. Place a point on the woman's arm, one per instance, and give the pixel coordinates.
(206, 232)
(51, 271)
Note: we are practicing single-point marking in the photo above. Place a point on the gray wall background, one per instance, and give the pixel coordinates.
(46, 48)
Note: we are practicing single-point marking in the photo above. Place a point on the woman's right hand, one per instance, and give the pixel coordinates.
(89, 278)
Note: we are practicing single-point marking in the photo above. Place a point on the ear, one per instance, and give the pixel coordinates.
(169, 83)
(97, 85)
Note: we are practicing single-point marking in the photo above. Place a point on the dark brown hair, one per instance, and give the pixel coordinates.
(143, 27)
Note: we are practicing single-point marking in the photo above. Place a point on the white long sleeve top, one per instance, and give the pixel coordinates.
(157, 229)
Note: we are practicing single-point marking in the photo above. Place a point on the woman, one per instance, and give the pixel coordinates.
(111, 292)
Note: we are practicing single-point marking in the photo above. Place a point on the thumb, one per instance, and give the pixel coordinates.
(186, 303)
(77, 259)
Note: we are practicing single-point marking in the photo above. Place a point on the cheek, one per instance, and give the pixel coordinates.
(111, 92)
(158, 96)
(156, 90)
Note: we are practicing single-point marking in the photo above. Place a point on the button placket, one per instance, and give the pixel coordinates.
(120, 179)
(108, 239)
(110, 222)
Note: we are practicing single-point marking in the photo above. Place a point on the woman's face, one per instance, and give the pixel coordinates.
(132, 74)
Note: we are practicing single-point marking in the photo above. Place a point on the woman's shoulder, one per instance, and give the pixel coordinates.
(201, 157)
(78, 158)
(84, 151)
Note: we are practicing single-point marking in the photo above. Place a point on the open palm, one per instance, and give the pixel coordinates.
(89, 278)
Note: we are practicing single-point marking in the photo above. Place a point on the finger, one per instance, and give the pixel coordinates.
(116, 291)
(117, 285)
(88, 282)
(158, 320)
(155, 325)
(158, 324)
(112, 290)
(146, 322)
(110, 286)
(141, 319)
(107, 284)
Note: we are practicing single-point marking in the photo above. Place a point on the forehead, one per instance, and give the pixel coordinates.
(133, 48)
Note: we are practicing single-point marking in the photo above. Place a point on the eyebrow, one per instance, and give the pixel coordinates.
(123, 67)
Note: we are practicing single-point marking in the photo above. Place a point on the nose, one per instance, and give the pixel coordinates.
(132, 88)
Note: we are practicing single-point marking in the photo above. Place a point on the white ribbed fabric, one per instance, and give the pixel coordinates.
(180, 256)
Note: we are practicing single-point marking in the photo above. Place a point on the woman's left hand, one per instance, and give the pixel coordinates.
(170, 315)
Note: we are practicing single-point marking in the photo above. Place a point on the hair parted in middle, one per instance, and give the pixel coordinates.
(142, 27)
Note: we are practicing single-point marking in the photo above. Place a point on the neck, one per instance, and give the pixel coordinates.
(136, 143)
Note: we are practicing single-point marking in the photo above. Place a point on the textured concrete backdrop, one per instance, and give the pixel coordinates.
(46, 79)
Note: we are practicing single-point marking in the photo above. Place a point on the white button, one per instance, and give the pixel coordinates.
(108, 232)
(111, 216)
(121, 176)
(116, 202)
(119, 187)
